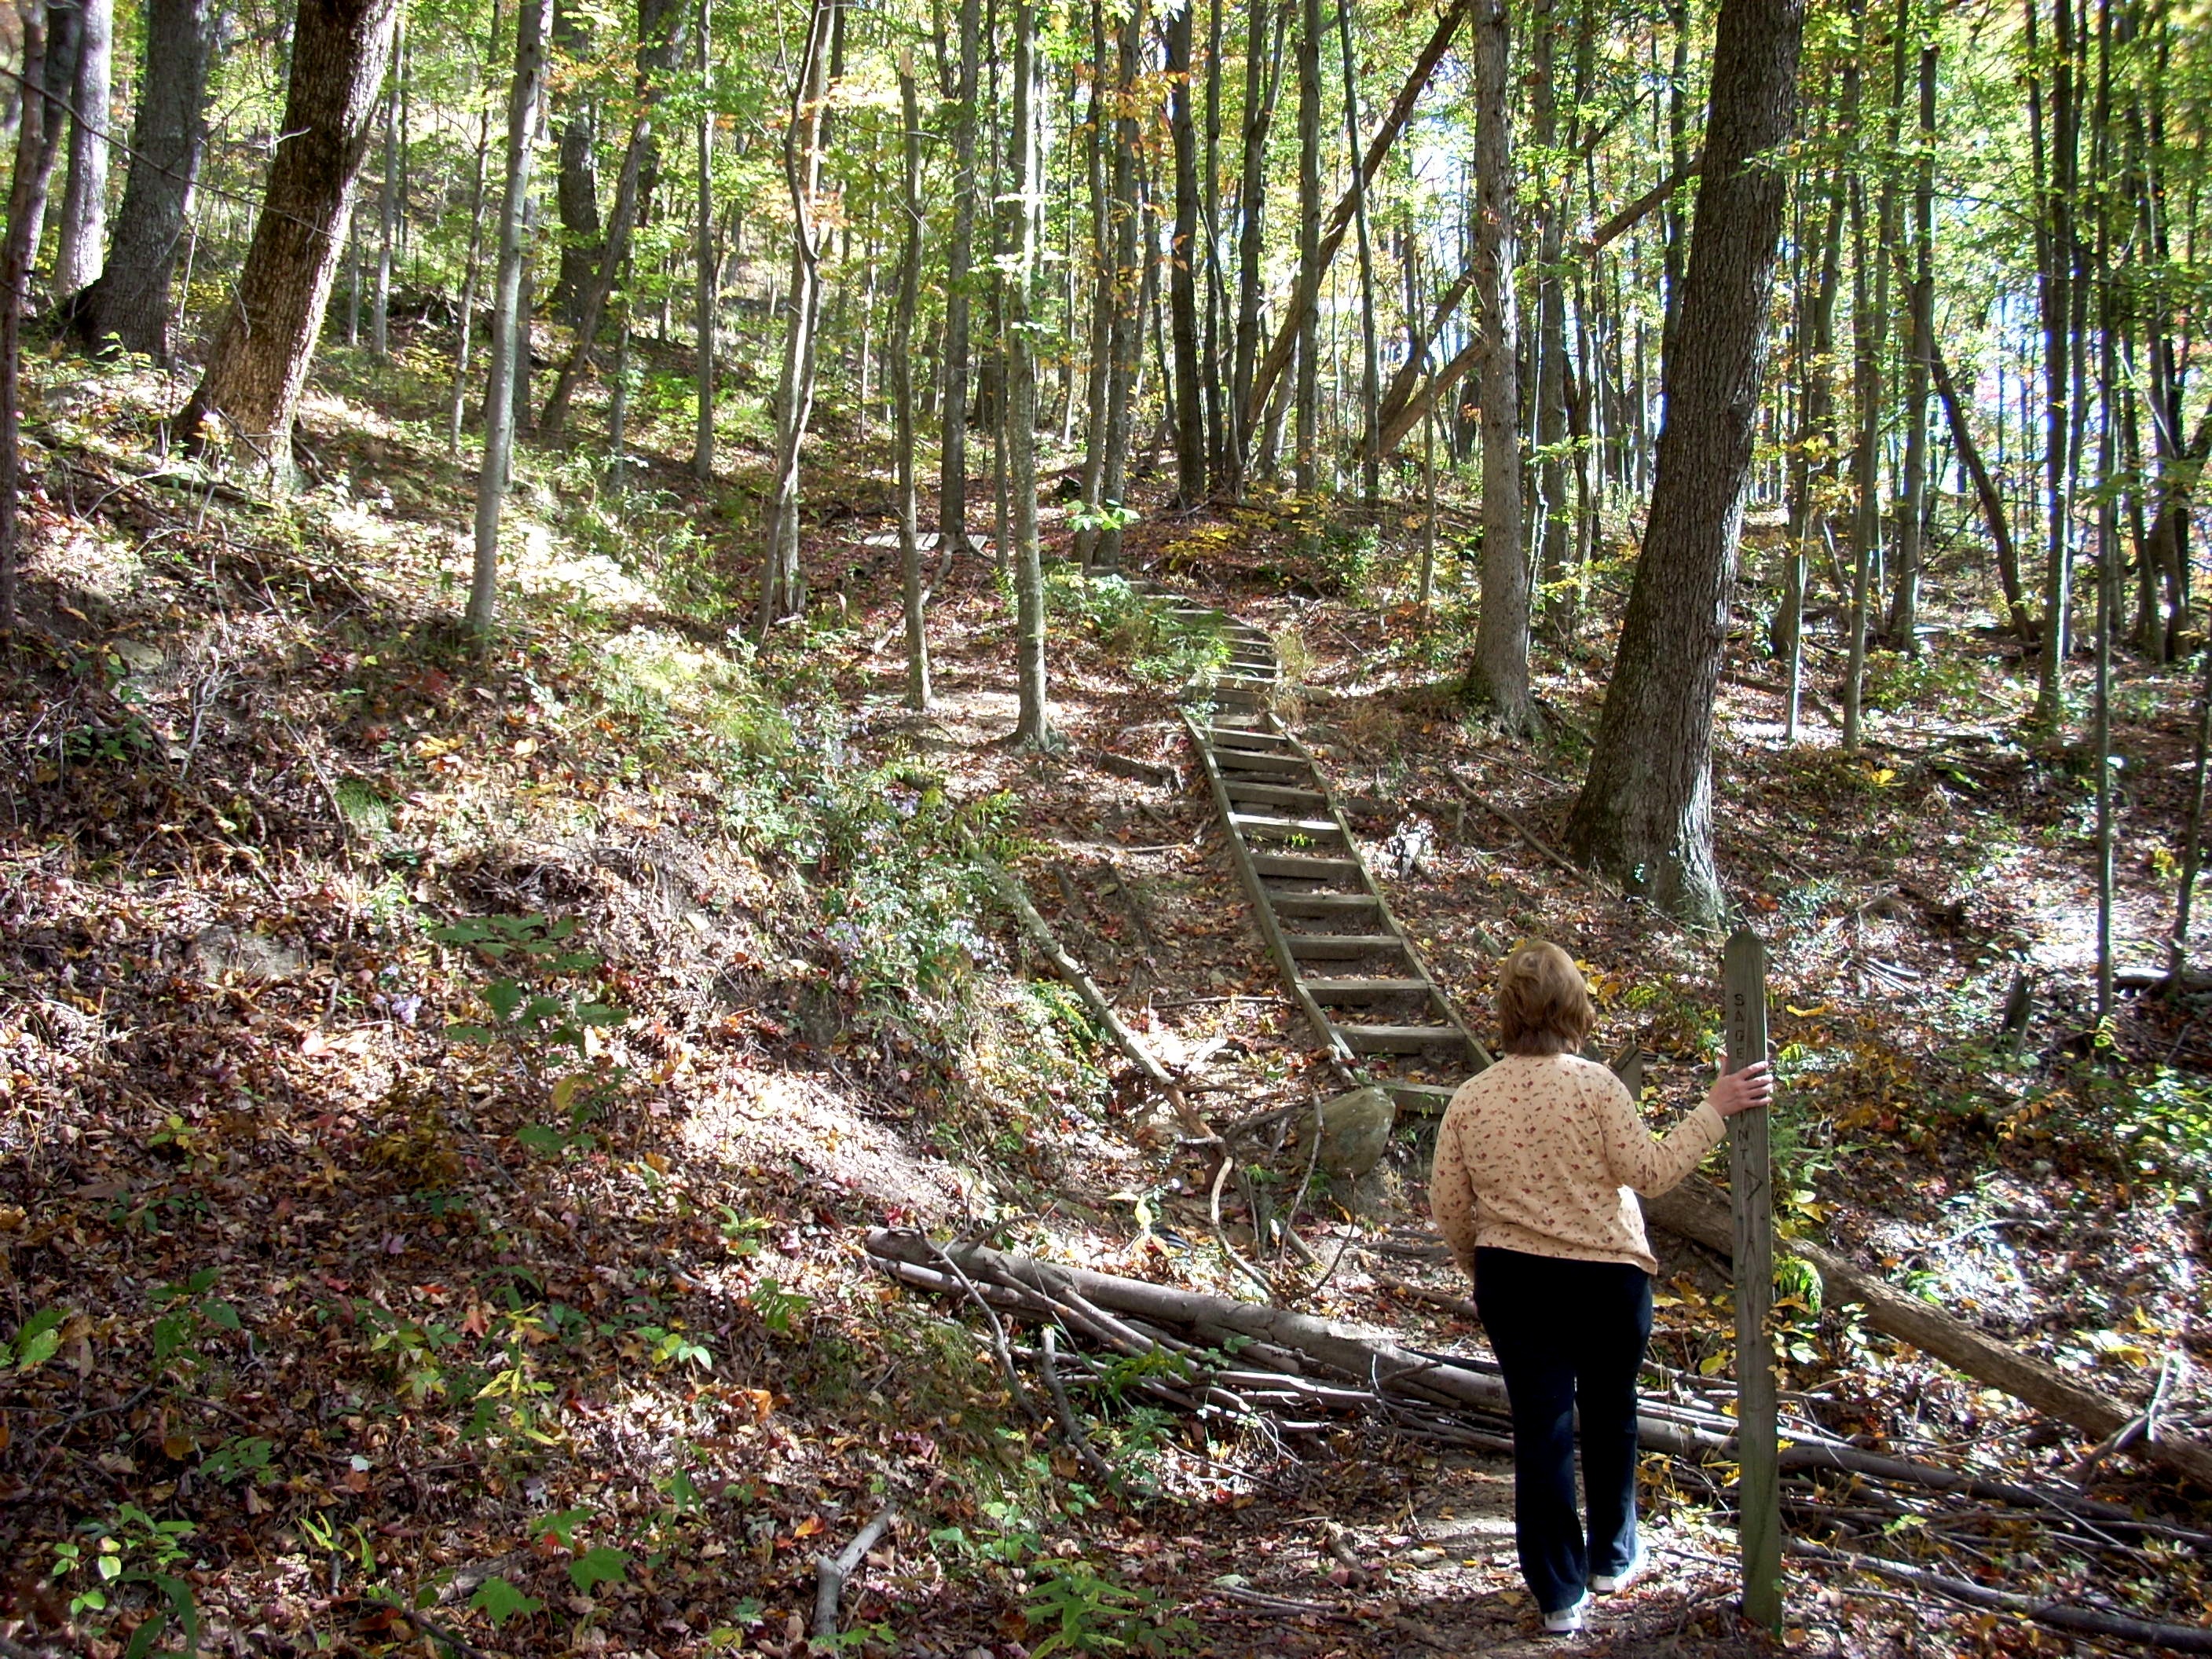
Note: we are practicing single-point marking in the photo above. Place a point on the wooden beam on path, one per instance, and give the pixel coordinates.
(1751, 1198)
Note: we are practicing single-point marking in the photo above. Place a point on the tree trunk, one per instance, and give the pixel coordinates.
(260, 359)
(509, 319)
(1102, 301)
(1186, 254)
(1125, 341)
(900, 371)
(1551, 519)
(2055, 247)
(783, 592)
(84, 199)
(379, 316)
(16, 252)
(129, 301)
(1645, 812)
(1498, 675)
(576, 192)
(1307, 292)
(64, 34)
(1260, 90)
(952, 465)
(465, 328)
(1371, 367)
(1305, 316)
(1033, 729)
(707, 269)
(1905, 609)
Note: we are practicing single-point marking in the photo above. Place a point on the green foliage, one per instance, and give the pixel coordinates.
(34, 1342)
(1083, 1611)
(600, 1566)
(1139, 630)
(189, 1315)
(499, 1601)
(133, 1548)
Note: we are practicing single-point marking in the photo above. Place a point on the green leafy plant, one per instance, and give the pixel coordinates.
(35, 1342)
(499, 1601)
(533, 1018)
(133, 1549)
(190, 1314)
(1083, 1611)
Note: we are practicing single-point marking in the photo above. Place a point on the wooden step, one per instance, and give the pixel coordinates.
(1238, 697)
(1341, 947)
(1399, 1039)
(1256, 823)
(1285, 767)
(1426, 1099)
(1236, 740)
(1305, 867)
(1275, 794)
(1333, 906)
(1363, 990)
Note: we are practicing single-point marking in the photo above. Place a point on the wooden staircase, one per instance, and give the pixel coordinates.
(1344, 958)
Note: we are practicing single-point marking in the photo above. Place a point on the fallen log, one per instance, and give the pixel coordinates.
(2055, 1615)
(1420, 1391)
(1696, 1211)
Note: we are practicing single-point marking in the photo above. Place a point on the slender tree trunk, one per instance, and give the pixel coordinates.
(782, 591)
(1498, 675)
(1103, 290)
(1306, 300)
(464, 328)
(953, 485)
(1904, 610)
(261, 356)
(1549, 514)
(1645, 812)
(509, 319)
(1307, 292)
(900, 372)
(1185, 254)
(704, 263)
(2055, 240)
(129, 300)
(78, 248)
(1370, 367)
(1259, 89)
(16, 252)
(1034, 729)
(1126, 340)
(379, 316)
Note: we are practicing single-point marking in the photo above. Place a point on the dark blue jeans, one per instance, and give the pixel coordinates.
(1568, 1333)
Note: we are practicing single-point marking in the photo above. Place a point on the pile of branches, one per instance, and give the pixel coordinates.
(1252, 1362)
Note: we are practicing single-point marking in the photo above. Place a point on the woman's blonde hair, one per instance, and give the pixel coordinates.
(1543, 1006)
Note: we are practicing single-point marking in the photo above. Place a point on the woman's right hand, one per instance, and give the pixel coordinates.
(1744, 1091)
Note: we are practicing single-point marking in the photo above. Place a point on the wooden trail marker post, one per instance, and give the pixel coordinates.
(1743, 984)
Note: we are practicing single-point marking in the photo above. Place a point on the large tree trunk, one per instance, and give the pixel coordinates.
(260, 359)
(783, 592)
(1498, 675)
(1183, 284)
(65, 33)
(84, 199)
(510, 336)
(129, 300)
(1645, 812)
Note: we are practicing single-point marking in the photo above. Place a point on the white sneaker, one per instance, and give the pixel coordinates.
(1569, 1619)
(1606, 1583)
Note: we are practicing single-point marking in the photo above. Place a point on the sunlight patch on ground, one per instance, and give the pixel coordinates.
(766, 1115)
(543, 565)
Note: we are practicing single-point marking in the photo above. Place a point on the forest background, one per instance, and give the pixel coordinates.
(465, 469)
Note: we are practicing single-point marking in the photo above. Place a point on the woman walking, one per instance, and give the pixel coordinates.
(1538, 1161)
